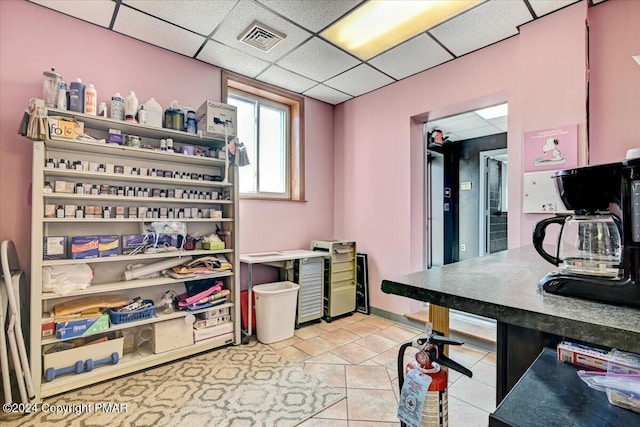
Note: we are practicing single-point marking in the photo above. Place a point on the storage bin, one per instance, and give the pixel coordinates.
(67, 358)
(172, 334)
(275, 311)
(130, 316)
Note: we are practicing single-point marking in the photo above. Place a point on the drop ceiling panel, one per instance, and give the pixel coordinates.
(543, 7)
(327, 94)
(286, 79)
(411, 57)
(225, 57)
(156, 32)
(456, 125)
(312, 14)
(243, 15)
(499, 122)
(359, 80)
(98, 11)
(318, 60)
(488, 23)
(477, 133)
(201, 16)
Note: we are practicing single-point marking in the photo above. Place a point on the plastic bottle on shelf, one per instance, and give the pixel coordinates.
(130, 107)
(76, 96)
(91, 100)
(154, 113)
(62, 96)
(117, 107)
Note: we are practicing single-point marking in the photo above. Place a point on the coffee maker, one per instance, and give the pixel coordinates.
(598, 250)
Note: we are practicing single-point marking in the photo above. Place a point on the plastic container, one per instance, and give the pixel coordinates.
(275, 311)
(154, 113)
(130, 316)
(130, 107)
(91, 100)
(76, 96)
(174, 117)
(50, 87)
(117, 107)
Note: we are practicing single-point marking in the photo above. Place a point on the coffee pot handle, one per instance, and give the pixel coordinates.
(539, 233)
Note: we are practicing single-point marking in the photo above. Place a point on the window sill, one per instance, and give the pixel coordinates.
(271, 199)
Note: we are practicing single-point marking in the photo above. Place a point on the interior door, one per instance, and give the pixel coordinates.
(434, 209)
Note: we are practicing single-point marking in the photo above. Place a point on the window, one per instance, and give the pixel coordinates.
(270, 126)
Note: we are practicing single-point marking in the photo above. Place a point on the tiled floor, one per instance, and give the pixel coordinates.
(357, 354)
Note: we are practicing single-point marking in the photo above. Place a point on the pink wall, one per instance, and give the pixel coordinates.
(118, 64)
(615, 79)
(379, 147)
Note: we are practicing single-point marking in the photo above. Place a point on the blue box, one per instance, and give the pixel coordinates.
(83, 247)
(131, 242)
(55, 248)
(80, 327)
(168, 240)
(108, 245)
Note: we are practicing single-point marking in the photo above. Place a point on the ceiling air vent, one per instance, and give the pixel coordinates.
(260, 36)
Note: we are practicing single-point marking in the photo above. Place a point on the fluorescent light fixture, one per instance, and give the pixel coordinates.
(493, 112)
(637, 58)
(379, 25)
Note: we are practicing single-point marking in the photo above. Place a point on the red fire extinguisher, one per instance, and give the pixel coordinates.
(430, 360)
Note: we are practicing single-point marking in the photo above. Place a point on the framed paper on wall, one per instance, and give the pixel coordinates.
(551, 149)
(362, 283)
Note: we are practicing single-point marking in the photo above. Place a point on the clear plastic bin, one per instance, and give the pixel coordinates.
(275, 311)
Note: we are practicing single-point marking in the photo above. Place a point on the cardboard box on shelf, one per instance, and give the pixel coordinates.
(65, 127)
(214, 116)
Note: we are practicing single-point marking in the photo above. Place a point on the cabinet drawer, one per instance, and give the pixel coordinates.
(341, 266)
(342, 284)
(342, 275)
(346, 255)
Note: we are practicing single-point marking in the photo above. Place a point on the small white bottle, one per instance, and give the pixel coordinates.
(130, 107)
(91, 100)
(62, 96)
(117, 107)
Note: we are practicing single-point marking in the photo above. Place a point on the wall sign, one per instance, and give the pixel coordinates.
(551, 149)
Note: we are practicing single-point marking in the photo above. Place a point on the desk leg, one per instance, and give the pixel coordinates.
(250, 300)
(439, 318)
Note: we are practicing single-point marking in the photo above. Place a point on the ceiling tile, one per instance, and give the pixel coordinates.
(98, 11)
(500, 123)
(318, 60)
(488, 23)
(286, 79)
(476, 133)
(411, 57)
(201, 16)
(455, 125)
(312, 14)
(359, 80)
(543, 7)
(231, 59)
(327, 94)
(243, 15)
(156, 32)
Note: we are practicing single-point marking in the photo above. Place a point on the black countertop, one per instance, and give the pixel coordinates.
(550, 393)
(503, 286)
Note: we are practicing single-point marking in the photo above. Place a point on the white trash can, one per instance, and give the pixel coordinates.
(275, 311)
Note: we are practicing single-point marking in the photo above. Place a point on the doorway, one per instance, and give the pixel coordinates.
(465, 177)
(493, 201)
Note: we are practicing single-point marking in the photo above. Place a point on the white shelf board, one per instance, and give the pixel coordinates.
(72, 173)
(173, 254)
(109, 197)
(124, 151)
(128, 364)
(156, 318)
(132, 284)
(134, 220)
(130, 128)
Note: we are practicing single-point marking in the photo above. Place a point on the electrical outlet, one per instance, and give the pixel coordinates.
(463, 247)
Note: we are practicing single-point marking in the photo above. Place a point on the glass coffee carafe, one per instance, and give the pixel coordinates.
(588, 245)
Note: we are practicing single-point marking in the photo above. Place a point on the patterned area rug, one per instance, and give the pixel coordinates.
(236, 386)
